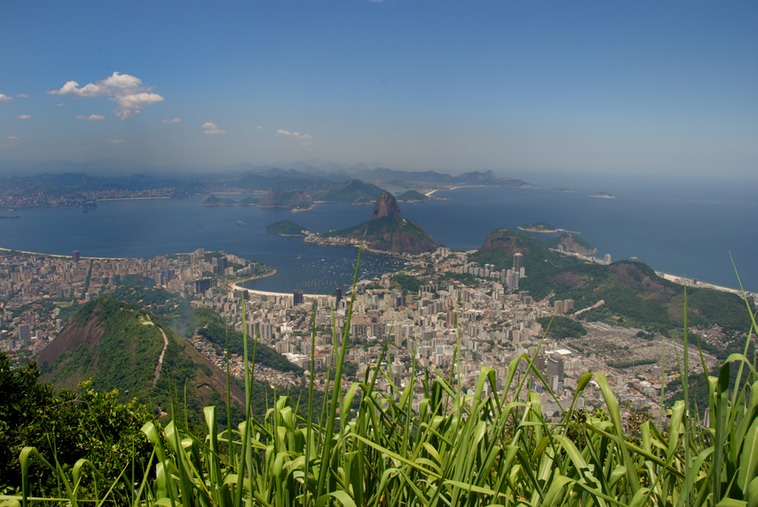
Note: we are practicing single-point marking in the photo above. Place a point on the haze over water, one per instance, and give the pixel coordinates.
(686, 231)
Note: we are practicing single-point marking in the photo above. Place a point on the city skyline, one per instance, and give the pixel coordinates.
(593, 88)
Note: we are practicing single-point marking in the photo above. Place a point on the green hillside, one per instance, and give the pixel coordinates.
(209, 325)
(119, 346)
(632, 293)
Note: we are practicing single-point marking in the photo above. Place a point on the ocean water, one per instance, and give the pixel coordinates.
(685, 231)
(688, 232)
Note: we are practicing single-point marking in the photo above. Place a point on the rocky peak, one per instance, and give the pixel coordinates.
(386, 206)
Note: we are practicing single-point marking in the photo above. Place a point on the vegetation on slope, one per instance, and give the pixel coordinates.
(632, 293)
(562, 327)
(119, 346)
(66, 427)
(209, 325)
(408, 284)
(388, 234)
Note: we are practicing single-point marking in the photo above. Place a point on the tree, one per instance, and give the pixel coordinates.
(66, 427)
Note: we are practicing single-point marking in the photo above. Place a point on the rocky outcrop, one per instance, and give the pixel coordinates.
(386, 206)
(571, 243)
(385, 232)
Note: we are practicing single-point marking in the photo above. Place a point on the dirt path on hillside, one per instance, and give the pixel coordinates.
(160, 358)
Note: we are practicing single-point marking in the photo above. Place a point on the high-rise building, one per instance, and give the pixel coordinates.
(297, 297)
(25, 333)
(512, 279)
(338, 295)
(75, 255)
(518, 261)
(202, 285)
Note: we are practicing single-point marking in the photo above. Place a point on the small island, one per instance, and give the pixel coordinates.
(540, 228)
(286, 228)
(387, 232)
(412, 196)
(219, 201)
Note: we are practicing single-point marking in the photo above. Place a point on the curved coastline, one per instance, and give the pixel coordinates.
(61, 256)
(236, 286)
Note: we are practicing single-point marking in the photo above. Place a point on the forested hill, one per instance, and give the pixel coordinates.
(632, 293)
(119, 346)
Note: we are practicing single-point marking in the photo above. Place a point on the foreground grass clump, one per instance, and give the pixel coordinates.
(447, 447)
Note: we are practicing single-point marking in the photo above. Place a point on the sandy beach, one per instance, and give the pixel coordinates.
(236, 287)
(691, 282)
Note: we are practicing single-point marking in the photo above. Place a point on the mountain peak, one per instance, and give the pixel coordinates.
(386, 206)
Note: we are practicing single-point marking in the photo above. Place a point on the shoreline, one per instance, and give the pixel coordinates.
(697, 284)
(104, 199)
(67, 256)
(236, 286)
(430, 193)
(536, 230)
(678, 279)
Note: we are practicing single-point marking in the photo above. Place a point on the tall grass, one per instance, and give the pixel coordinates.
(430, 443)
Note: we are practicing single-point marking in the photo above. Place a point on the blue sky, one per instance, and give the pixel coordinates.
(614, 87)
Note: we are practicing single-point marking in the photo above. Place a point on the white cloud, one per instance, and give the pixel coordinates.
(172, 121)
(5, 98)
(121, 81)
(115, 141)
(212, 129)
(125, 90)
(305, 139)
(133, 103)
(22, 95)
(89, 117)
(11, 141)
(24, 117)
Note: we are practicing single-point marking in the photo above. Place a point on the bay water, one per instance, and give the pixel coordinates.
(689, 231)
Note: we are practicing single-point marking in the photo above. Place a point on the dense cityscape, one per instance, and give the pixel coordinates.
(454, 315)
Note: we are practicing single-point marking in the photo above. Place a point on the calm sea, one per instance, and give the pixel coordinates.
(685, 231)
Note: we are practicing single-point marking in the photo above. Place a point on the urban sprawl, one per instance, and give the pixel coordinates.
(461, 317)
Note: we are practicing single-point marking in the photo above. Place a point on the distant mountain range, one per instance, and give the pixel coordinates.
(360, 186)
